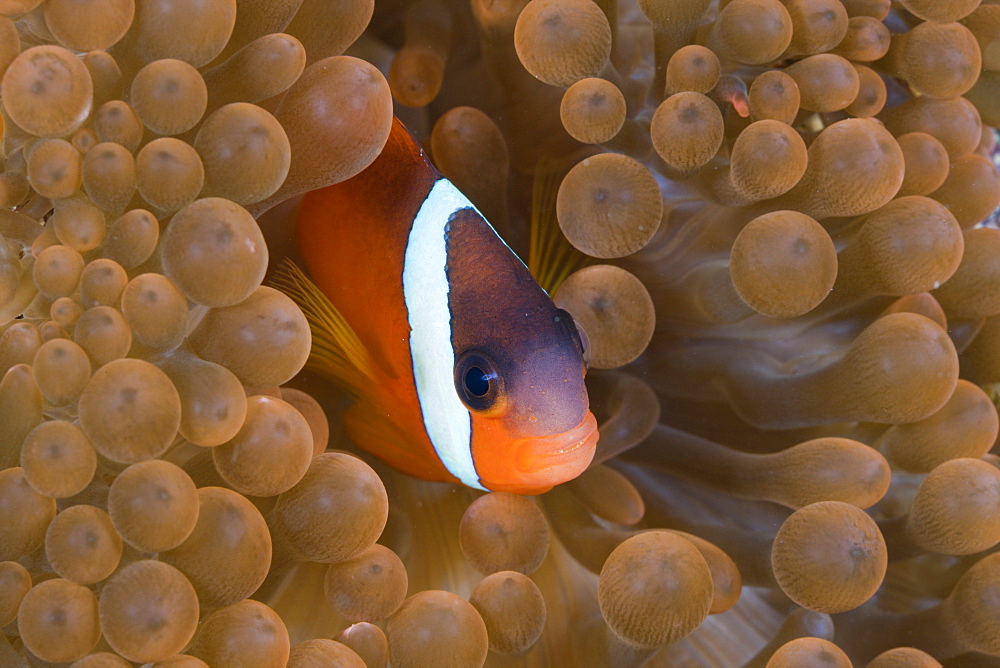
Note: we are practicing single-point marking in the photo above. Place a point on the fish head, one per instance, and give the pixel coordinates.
(532, 427)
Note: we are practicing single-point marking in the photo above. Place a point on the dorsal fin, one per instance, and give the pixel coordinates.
(401, 147)
(400, 158)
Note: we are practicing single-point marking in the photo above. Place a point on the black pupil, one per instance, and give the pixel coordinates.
(477, 382)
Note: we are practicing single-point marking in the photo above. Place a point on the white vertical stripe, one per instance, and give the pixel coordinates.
(425, 291)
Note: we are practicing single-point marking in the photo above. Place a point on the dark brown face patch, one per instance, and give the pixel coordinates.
(498, 309)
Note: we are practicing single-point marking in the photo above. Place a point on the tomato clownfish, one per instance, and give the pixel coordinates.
(461, 367)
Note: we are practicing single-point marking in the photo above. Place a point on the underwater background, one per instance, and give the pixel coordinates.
(775, 221)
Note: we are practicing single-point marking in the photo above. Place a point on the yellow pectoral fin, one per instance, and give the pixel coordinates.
(337, 352)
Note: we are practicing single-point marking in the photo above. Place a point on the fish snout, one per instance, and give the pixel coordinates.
(547, 461)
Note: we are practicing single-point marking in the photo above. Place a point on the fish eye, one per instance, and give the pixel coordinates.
(478, 381)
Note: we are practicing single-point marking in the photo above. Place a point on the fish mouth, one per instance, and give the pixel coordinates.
(557, 458)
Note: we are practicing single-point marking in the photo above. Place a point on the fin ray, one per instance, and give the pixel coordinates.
(551, 258)
(337, 351)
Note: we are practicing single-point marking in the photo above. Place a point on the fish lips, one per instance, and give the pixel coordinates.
(551, 460)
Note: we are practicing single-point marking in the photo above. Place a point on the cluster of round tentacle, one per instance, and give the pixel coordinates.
(776, 221)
